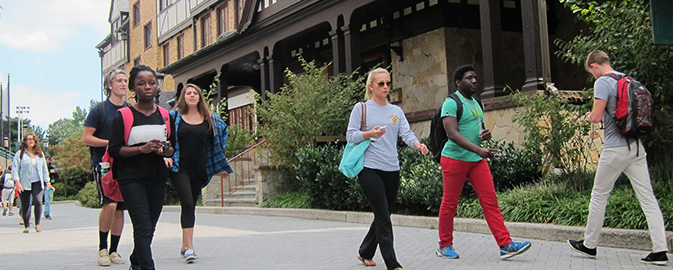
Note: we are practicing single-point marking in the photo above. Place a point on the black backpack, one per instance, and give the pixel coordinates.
(438, 135)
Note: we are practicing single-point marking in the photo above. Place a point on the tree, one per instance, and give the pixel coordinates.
(623, 29)
(310, 105)
(72, 159)
(66, 127)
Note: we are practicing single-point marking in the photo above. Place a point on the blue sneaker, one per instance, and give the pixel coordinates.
(513, 249)
(447, 253)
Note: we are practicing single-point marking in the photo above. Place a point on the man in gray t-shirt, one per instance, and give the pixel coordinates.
(619, 155)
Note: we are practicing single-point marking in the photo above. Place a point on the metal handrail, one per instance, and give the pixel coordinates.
(246, 150)
(235, 185)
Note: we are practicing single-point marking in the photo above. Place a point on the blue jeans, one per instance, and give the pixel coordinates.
(144, 203)
(47, 201)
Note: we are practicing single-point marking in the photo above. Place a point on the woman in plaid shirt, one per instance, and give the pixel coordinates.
(199, 154)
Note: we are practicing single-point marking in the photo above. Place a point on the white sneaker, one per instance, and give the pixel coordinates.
(103, 258)
(116, 258)
(190, 256)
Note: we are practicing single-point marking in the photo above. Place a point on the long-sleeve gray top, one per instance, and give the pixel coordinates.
(382, 153)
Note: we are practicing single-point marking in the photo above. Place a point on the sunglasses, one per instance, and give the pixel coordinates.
(113, 73)
(381, 84)
(31, 139)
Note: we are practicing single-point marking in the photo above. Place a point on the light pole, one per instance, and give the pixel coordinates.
(20, 111)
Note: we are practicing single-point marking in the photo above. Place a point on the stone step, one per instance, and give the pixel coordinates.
(247, 202)
(243, 194)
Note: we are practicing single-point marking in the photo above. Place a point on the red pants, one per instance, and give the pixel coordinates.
(478, 173)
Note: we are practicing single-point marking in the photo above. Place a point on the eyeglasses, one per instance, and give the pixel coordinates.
(381, 84)
(31, 139)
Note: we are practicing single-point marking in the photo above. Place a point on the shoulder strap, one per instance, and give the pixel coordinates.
(363, 123)
(459, 105)
(127, 118)
(613, 75)
(101, 112)
(165, 115)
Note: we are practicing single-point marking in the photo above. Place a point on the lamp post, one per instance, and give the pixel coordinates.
(5, 143)
(160, 82)
(20, 111)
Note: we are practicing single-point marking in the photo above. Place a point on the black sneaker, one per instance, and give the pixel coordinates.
(658, 258)
(579, 247)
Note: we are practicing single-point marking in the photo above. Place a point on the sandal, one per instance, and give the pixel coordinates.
(26, 230)
(367, 262)
(37, 228)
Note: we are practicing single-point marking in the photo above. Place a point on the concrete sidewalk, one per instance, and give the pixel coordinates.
(232, 238)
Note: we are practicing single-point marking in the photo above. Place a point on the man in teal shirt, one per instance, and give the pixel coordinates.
(463, 157)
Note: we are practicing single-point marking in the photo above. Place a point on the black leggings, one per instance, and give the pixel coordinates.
(36, 192)
(188, 189)
(380, 189)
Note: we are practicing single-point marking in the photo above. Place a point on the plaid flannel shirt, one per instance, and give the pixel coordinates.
(216, 162)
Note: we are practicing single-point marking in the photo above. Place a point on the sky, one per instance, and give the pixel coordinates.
(48, 48)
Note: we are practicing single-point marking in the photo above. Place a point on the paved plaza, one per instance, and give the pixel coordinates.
(224, 241)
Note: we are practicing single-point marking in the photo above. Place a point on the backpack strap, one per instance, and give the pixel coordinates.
(127, 118)
(459, 105)
(165, 115)
(363, 122)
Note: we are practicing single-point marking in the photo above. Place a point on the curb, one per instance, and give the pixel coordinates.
(617, 238)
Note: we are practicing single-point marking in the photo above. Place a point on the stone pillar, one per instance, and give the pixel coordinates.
(275, 74)
(351, 49)
(491, 44)
(337, 51)
(262, 77)
(536, 44)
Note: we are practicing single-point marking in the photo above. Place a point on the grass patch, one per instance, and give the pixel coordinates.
(293, 199)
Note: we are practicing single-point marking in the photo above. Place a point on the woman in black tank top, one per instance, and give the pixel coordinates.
(195, 132)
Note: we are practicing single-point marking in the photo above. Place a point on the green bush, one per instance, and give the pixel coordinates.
(239, 140)
(631, 53)
(88, 196)
(317, 170)
(515, 167)
(420, 190)
(310, 105)
(555, 129)
(295, 199)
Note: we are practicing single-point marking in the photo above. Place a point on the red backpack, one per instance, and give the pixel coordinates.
(633, 114)
(108, 182)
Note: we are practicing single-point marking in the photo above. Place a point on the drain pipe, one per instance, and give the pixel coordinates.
(194, 20)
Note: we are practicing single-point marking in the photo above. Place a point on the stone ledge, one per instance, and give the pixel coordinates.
(618, 238)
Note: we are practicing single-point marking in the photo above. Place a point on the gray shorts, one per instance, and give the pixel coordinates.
(7, 195)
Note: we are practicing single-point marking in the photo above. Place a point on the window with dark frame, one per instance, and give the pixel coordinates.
(222, 19)
(238, 10)
(148, 35)
(205, 31)
(167, 54)
(181, 46)
(136, 14)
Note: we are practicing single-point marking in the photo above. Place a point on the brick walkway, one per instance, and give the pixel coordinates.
(69, 241)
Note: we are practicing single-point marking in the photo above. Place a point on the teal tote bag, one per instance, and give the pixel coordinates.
(353, 158)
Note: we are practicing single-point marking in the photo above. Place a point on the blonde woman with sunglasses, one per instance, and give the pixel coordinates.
(380, 178)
